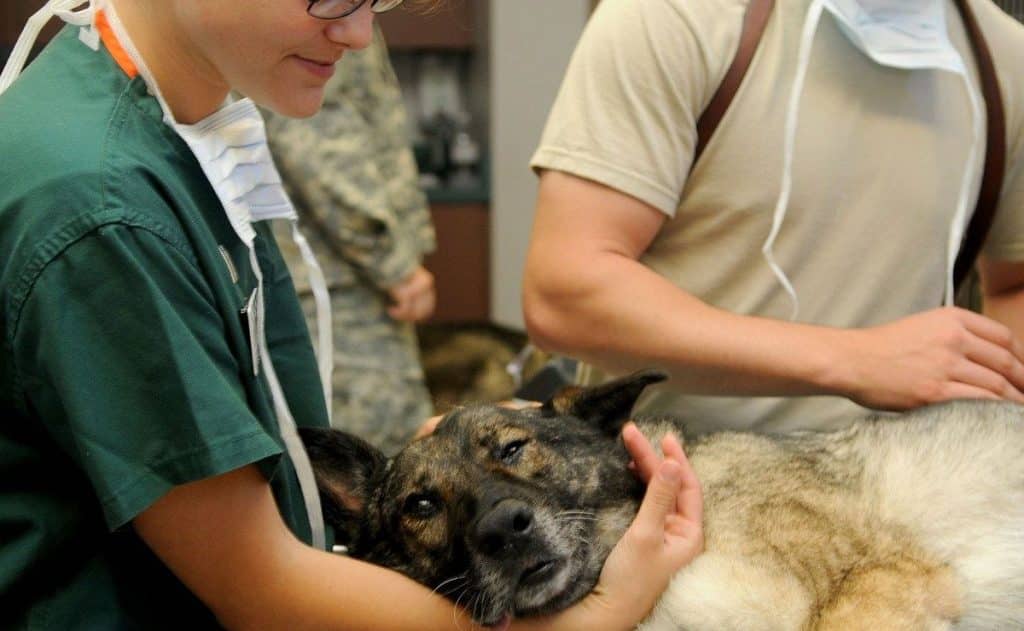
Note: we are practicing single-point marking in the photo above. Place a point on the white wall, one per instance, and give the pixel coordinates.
(530, 45)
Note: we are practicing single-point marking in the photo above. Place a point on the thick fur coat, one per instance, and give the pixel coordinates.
(913, 522)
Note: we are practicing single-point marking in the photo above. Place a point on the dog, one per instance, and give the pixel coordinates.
(911, 522)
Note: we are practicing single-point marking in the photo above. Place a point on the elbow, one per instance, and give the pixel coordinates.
(548, 318)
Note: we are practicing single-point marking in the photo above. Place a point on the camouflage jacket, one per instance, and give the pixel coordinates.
(352, 177)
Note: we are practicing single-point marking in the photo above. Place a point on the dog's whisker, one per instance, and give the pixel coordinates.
(458, 577)
(456, 609)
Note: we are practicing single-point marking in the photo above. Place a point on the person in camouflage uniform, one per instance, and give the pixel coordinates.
(353, 180)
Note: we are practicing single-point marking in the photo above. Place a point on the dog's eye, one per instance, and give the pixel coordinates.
(421, 506)
(511, 451)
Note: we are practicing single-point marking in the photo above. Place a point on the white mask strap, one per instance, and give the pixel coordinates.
(963, 208)
(286, 423)
(792, 116)
(324, 328)
(62, 9)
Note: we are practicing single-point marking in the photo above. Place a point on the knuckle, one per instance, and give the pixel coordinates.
(1006, 363)
(929, 392)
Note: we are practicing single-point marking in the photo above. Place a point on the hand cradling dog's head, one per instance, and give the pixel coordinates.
(506, 512)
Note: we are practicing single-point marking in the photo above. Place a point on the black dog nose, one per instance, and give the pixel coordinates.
(503, 530)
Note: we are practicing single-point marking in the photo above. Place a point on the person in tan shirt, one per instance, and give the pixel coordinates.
(642, 257)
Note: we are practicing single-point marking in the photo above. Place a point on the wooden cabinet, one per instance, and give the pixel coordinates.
(14, 14)
(450, 27)
(461, 263)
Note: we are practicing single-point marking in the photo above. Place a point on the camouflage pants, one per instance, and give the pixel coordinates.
(379, 390)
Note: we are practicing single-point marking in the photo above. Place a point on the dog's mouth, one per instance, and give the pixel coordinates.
(538, 573)
(541, 583)
(538, 585)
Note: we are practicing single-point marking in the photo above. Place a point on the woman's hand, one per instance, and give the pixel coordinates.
(666, 535)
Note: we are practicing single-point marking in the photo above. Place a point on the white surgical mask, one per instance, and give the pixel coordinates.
(231, 147)
(907, 34)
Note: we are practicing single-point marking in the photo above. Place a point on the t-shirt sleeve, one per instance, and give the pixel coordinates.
(120, 349)
(638, 80)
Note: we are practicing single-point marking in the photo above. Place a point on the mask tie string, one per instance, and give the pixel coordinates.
(792, 116)
(286, 423)
(324, 329)
(963, 209)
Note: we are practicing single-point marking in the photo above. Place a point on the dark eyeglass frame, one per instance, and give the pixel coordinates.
(385, 6)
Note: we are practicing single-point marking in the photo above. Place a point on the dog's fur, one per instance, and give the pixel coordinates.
(914, 522)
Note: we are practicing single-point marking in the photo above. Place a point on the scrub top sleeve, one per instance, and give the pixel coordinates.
(121, 350)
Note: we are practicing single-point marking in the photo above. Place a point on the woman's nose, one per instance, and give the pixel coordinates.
(355, 31)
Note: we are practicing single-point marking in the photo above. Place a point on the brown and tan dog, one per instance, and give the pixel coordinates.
(915, 522)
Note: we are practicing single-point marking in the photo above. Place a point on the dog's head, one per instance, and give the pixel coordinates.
(507, 512)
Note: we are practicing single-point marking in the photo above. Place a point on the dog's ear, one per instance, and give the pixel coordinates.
(608, 404)
(347, 470)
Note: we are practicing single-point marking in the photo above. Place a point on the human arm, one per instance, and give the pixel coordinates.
(587, 295)
(1002, 286)
(223, 538)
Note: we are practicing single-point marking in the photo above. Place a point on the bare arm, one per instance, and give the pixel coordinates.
(223, 537)
(586, 294)
(1002, 285)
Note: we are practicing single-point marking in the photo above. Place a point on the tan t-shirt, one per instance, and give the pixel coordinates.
(880, 155)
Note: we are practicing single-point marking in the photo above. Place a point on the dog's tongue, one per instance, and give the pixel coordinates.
(503, 624)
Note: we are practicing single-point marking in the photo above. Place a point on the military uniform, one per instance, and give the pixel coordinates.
(353, 179)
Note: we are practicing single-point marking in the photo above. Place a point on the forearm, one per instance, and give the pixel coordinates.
(586, 294)
(614, 312)
(224, 539)
(1002, 288)
(331, 592)
(315, 590)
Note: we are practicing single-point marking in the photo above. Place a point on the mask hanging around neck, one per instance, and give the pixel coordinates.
(910, 35)
(231, 147)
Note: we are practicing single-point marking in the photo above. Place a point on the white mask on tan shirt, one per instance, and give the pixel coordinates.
(907, 34)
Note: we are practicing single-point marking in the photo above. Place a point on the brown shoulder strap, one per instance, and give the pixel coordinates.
(995, 149)
(754, 21)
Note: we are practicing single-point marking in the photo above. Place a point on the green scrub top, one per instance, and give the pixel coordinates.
(126, 366)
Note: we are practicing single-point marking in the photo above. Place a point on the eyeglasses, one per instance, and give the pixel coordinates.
(334, 9)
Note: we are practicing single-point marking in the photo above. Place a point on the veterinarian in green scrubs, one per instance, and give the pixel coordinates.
(155, 359)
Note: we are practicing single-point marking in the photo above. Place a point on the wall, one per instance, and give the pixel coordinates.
(530, 45)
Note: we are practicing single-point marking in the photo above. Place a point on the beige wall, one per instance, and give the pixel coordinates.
(530, 45)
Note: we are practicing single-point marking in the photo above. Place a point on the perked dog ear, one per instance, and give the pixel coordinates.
(608, 405)
(347, 470)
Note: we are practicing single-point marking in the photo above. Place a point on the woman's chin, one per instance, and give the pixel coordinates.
(302, 103)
